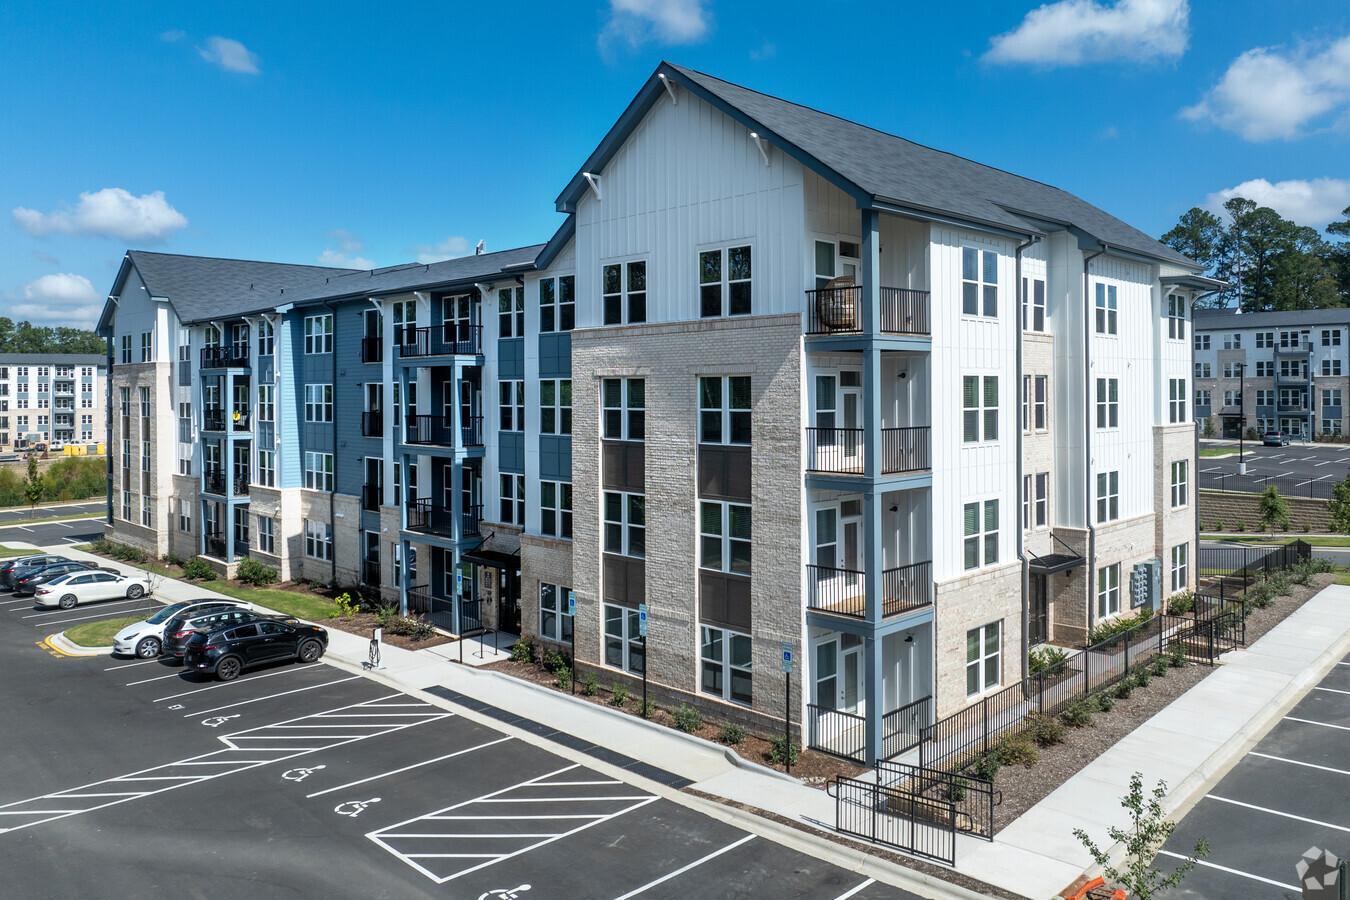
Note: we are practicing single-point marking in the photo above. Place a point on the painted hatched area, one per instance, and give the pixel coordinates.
(474, 834)
(243, 750)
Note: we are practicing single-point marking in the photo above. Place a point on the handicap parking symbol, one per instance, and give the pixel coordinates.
(300, 774)
(354, 808)
(504, 893)
(217, 721)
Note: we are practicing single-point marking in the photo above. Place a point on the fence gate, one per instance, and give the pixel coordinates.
(923, 826)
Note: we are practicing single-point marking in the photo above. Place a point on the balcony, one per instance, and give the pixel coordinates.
(429, 517)
(215, 546)
(1296, 408)
(429, 430)
(450, 339)
(214, 419)
(372, 423)
(471, 431)
(1299, 348)
(370, 572)
(372, 349)
(838, 310)
(372, 495)
(841, 592)
(213, 482)
(839, 451)
(233, 356)
(470, 519)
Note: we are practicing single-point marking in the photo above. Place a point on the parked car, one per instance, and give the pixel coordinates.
(227, 650)
(178, 629)
(1275, 439)
(26, 584)
(144, 639)
(68, 590)
(10, 567)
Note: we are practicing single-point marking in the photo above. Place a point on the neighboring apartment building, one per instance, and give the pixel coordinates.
(1285, 371)
(46, 397)
(764, 385)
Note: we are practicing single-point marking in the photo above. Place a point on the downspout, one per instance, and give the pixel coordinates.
(1089, 488)
(332, 493)
(108, 418)
(1021, 530)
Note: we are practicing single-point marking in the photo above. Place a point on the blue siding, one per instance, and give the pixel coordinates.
(348, 329)
(289, 402)
(511, 451)
(555, 457)
(555, 355)
(511, 358)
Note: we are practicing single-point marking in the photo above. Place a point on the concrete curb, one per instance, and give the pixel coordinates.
(62, 644)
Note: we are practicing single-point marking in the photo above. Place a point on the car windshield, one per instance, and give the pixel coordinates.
(166, 613)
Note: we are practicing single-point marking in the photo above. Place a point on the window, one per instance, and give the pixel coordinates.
(318, 471)
(555, 508)
(1265, 397)
(1203, 370)
(266, 338)
(513, 498)
(724, 282)
(1035, 500)
(1265, 340)
(1176, 318)
(1107, 313)
(318, 540)
(725, 657)
(983, 657)
(1331, 426)
(555, 405)
(1108, 496)
(144, 395)
(557, 303)
(1232, 398)
(1108, 403)
(511, 312)
(724, 410)
(147, 513)
(1038, 408)
(1265, 368)
(267, 537)
(724, 536)
(511, 405)
(145, 452)
(1180, 495)
(147, 353)
(1293, 368)
(624, 408)
(1033, 303)
(1331, 397)
(1180, 565)
(1331, 366)
(126, 351)
(266, 408)
(625, 524)
(554, 622)
(1331, 337)
(981, 534)
(184, 515)
(126, 505)
(1202, 342)
(319, 334)
(1108, 590)
(1288, 339)
(624, 647)
(266, 468)
(318, 403)
(1176, 403)
(623, 289)
(979, 408)
(1232, 341)
(979, 282)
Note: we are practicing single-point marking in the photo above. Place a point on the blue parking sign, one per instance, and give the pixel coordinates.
(785, 663)
(571, 603)
(642, 620)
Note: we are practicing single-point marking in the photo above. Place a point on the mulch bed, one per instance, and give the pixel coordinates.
(364, 624)
(813, 768)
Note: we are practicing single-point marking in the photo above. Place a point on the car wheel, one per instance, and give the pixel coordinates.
(135, 592)
(228, 669)
(68, 601)
(148, 648)
(310, 651)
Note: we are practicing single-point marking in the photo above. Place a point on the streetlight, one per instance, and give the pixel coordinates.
(1242, 415)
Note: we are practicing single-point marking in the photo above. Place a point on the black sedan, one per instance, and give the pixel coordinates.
(181, 627)
(10, 569)
(26, 584)
(228, 650)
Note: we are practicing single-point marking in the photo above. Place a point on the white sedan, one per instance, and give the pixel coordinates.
(145, 638)
(68, 590)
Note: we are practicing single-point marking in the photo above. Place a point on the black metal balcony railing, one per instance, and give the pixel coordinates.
(372, 495)
(471, 431)
(449, 339)
(430, 517)
(836, 732)
(213, 481)
(433, 430)
(372, 423)
(838, 310)
(372, 349)
(240, 484)
(226, 357)
(905, 449)
(370, 572)
(215, 546)
(840, 451)
(470, 519)
(215, 419)
(906, 587)
(1297, 349)
(843, 592)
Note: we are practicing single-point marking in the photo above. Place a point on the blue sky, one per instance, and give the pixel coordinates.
(375, 134)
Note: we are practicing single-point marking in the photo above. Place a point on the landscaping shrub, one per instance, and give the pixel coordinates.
(646, 708)
(618, 695)
(986, 766)
(346, 606)
(1123, 688)
(250, 571)
(1018, 750)
(1049, 660)
(123, 552)
(1077, 714)
(783, 749)
(1141, 677)
(687, 719)
(1176, 656)
(522, 651)
(1180, 604)
(956, 789)
(552, 660)
(562, 677)
(409, 627)
(590, 686)
(1045, 730)
(197, 569)
(731, 734)
(1105, 702)
(1158, 665)
(1118, 625)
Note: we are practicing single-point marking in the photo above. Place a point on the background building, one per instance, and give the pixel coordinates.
(46, 397)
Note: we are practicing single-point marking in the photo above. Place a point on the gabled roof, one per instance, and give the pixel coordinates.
(463, 270)
(1229, 318)
(882, 169)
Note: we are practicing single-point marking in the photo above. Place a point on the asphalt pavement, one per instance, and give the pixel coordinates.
(1298, 469)
(1339, 556)
(54, 534)
(27, 514)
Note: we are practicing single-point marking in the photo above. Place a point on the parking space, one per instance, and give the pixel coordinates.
(1299, 469)
(54, 534)
(1287, 795)
(134, 778)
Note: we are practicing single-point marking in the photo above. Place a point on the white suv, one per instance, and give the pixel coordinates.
(144, 639)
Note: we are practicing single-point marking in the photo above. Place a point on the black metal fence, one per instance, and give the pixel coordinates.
(440, 340)
(838, 310)
(837, 732)
(973, 797)
(921, 825)
(905, 449)
(906, 587)
(434, 430)
(1318, 488)
(835, 450)
(902, 728)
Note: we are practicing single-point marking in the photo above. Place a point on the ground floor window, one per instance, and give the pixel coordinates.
(554, 622)
(1180, 565)
(1108, 590)
(984, 657)
(184, 515)
(726, 664)
(318, 540)
(126, 505)
(624, 648)
(1331, 426)
(267, 540)
(147, 513)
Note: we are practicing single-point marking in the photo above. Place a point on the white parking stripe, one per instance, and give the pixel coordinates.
(1323, 724)
(1330, 690)
(144, 662)
(16, 600)
(406, 768)
(1276, 812)
(1296, 762)
(685, 868)
(269, 697)
(110, 614)
(57, 612)
(179, 674)
(868, 883)
(221, 684)
(1210, 865)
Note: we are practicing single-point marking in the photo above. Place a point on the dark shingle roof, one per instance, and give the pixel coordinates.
(892, 169)
(1230, 318)
(416, 276)
(53, 359)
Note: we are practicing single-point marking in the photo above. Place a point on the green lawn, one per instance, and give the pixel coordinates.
(6, 552)
(1217, 451)
(99, 634)
(1334, 540)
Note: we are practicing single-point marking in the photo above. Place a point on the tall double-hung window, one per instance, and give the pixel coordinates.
(979, 282)
(724, 282)
(623, 292)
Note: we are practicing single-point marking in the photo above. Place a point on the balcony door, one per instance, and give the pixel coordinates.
(834, 260)
(839, 674)
(239, 340)
(838, 418)
(839, 556)
(457, 316)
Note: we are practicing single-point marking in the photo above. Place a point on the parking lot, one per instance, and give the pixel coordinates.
(1298, 470)
(52, 534)
(129, 778)
(1288, 794)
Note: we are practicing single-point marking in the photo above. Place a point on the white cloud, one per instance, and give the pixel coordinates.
(347, 253)
(1270, 93)
(765, 51)
(1072, 32)
(172, 36)
(230, 55)
(111, 212)
(1314, 201)
(60, 299)
(450, 248)
(637, 22)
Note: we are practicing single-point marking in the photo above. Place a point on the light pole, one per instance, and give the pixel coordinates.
(1242, 416)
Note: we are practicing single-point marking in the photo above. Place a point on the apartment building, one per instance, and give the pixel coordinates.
(1268, 371)
(778, 383)
(47, 397)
